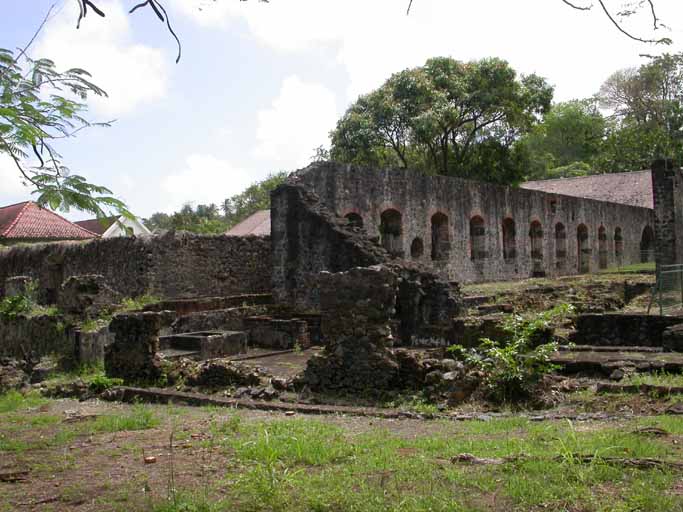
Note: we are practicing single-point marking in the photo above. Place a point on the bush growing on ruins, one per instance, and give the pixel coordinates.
(512, 368)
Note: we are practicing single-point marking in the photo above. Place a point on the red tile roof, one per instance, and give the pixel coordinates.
(98, 226)
(633, 188)
(29, 221)
(257, 224)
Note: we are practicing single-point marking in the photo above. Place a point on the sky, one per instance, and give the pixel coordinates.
(260, 85)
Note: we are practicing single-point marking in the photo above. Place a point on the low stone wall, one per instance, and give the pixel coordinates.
(36, 336)
(231, 319)
(616, 329)
(183, 307)
(174, 265)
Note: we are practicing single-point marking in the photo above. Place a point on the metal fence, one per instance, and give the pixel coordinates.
(667, 294)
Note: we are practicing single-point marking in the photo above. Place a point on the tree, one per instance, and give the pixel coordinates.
(207, 219)
(567, 141)
(446, 117)
(647, 113)
(37, 110)
(255, 197)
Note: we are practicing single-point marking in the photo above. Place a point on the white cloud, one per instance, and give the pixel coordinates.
(12, 190)
(297, 121)
(574, 50)
(132, 74)
(205, 179)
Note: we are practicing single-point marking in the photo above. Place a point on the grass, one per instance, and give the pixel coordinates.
(636, 268)
(265, 463)
(15, 401)
(138, 418)
(660, 378)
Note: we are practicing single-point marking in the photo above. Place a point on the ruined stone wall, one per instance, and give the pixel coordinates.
(172, 266)
(667, 187)
(456, 226)
(307, 239)
(310, 242)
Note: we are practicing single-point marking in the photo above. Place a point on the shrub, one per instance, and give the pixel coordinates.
(11, 307)
(512, 368)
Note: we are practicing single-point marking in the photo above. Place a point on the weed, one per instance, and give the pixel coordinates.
(14, 401)
(139, 418)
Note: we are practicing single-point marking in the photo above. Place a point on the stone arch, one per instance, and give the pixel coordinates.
(560, 246)
(602, 247)
(647, 245)
(509, 242)
(536, 239)
(355, 220)
(583, 249)
(478, 238)
(391, 231)
(417, 248)
(618, 246)
(441, 242)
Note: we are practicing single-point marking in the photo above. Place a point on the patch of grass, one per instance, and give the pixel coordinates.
(292, 442)
(15, 401)
(636, 268)
(660, 378)
(139, 418)
(136, 303)
(414, 404)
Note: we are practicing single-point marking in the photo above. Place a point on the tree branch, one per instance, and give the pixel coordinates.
(578, 7)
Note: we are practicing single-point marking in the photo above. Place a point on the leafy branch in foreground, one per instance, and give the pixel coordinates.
(39, 106)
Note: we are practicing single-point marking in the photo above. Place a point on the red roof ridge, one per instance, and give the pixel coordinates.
(62, 218)
(16, 219)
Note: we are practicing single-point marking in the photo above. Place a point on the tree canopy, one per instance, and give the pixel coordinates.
(446, 117)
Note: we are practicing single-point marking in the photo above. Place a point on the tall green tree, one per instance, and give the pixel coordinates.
(646, 106)
(567, 141)
(446, 117)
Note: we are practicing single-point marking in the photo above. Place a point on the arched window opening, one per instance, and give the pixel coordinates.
(391, 232)
(618, 246)
(647, 245)
(602, 247)
(560, 246)
(584, 249)
(509, 244)
(355, 220)
(536, 237)
(417, 249)
(478, 238)
(441, 243)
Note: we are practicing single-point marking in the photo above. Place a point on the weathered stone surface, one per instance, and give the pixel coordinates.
(38, 336)
(91, 345)
(12, 376)
(86, 295)
(672, 338)
(133, 354)
(230, 319)
(469, 330)
(223, 373)
(622, 329)
(277, 334)
(18, 285)
(165, 265)
(418, 201)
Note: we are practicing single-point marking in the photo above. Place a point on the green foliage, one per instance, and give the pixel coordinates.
(11, 307)
(140, 417)
(15, 401)
(36, 110)
(446, 117)
(566, 141)
(136, 303)
(100, 383)
(513, 367)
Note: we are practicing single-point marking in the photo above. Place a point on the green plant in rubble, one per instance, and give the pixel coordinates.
(512, 367)
(135, 303)
(12, 307)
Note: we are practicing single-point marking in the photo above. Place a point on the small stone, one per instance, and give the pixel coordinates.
(433, 377)
(451, 365)
(279, 383)
(451, 376)
(150, 460)
(675, 409)
(290, 413)
(617, 374)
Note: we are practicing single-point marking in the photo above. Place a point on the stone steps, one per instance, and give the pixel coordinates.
(208, 344)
